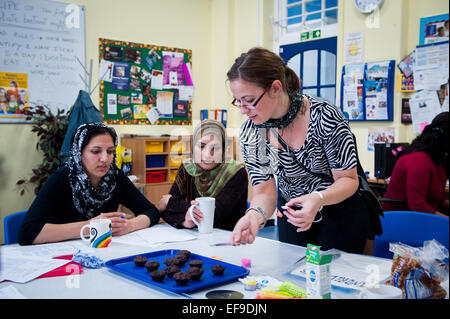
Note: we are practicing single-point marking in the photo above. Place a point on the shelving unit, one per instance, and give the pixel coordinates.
(156, 160)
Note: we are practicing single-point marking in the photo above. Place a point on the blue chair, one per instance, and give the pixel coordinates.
(411, 228)
(11, 224)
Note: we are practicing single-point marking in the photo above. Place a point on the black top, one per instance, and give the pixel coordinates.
(54, 204)
(231, 202)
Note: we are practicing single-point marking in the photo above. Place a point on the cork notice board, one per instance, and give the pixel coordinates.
(145, 84)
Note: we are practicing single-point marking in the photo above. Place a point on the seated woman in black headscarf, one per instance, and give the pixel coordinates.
(207, 174)
(87, 187)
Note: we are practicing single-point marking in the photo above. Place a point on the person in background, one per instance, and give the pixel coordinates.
(421, 172)
(307, 143)
(207, 174)
(87, 187)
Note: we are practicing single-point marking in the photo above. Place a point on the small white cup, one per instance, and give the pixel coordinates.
(381, 292)
(206, 206)
(100, 233)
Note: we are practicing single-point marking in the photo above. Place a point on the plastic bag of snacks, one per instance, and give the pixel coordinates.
(419, 271)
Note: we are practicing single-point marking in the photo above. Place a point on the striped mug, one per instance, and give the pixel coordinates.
(100, 233)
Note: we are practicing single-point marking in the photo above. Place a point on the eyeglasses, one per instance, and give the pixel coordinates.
(239, 104)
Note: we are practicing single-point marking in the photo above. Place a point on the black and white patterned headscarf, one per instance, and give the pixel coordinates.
(86, 198)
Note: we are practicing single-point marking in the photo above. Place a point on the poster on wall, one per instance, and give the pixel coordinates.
(145, 84)
(352, 104)
(434, 29)
(376, 86)
(13, 96)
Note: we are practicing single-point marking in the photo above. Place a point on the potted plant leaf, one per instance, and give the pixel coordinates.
(50, 129)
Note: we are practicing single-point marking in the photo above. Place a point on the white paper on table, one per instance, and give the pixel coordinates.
(10, 292)
(354, 271)
(42, 250)
(164, 233)
(21, 270)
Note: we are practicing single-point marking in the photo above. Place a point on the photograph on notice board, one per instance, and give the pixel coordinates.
(13, 97)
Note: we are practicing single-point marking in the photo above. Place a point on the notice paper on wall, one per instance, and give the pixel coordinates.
(431, 66)
(424, 107)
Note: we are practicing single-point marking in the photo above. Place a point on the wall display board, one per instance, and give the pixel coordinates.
(145, 84)
(367, 91)
(40, 42)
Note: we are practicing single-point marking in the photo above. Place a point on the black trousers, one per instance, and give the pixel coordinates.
(344, 226)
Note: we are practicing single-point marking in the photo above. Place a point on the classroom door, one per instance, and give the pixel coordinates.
(315, 64)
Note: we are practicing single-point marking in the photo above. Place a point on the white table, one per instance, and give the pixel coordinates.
(268, 257)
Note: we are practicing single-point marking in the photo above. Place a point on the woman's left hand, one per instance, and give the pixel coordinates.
(304, 217)
(119, 223)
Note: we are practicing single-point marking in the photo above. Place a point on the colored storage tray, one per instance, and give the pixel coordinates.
(154, 147)
(176, 160)
(125, 266)
(173, 174)
(154, 161)
(155, 176)
(178, 146)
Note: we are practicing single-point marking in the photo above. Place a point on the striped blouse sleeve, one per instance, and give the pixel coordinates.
(254, 152)
(339, 145)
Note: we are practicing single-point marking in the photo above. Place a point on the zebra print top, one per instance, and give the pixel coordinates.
(328, 146)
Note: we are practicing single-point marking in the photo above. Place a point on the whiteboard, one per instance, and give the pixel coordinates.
(42, 38)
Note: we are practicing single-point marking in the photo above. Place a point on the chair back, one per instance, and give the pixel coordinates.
(411, 228)
(11, 225)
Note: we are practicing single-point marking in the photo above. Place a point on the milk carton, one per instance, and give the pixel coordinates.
(318, 275)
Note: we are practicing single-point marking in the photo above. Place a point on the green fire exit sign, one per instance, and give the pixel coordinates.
(309, 35)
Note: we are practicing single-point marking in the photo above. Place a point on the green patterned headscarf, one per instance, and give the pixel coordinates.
(209, 183)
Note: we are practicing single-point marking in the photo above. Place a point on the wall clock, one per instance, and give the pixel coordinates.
(367, 6)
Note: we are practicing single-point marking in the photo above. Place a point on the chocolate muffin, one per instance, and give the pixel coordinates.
(195, 273)
(196, 263)
(168, 261)
(171, 270)
(181, 278)
(140, 261)
(152, 265)
(185, 252)
(179, 260)
(158, 275)
(218, 270)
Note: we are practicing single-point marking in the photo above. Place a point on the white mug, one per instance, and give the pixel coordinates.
(381, 292)
(100, 233)
(207, 206)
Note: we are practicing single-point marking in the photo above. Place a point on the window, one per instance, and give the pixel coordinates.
(299, 15)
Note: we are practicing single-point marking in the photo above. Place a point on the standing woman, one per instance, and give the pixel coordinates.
(307, 143)
(87, 187)
(207, 174)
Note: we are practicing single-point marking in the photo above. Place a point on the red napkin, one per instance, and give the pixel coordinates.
(71, 268)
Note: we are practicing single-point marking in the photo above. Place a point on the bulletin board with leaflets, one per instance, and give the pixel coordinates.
(145, 84)
(367, 91)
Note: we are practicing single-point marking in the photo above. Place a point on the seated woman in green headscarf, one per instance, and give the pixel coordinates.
(207, 174)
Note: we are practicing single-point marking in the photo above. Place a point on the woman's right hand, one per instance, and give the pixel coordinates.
(246, 229)
(188, 223)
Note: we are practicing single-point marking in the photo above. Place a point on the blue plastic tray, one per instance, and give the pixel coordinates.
(125, 266)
